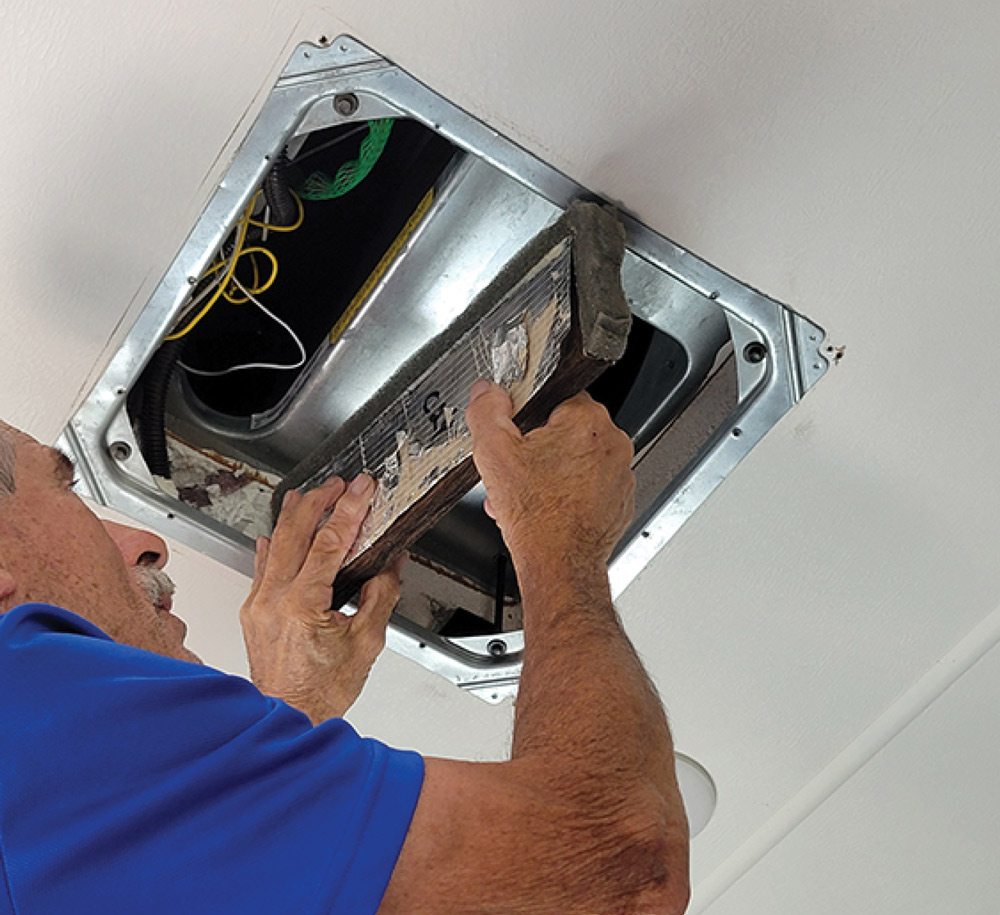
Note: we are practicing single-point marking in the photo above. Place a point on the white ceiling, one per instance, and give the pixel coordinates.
(816, 628)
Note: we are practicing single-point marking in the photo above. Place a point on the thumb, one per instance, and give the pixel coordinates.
(259, 566)
(490, 420)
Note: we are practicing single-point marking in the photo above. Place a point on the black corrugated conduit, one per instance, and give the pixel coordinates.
(278, 194)
(152, 419)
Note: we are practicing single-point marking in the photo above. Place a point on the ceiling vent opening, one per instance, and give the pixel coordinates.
(360, 217)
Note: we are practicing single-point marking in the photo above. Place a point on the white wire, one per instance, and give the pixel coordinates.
(336, 141)
(204, 294)
(256, 365)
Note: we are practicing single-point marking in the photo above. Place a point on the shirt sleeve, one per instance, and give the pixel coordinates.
(131, 782)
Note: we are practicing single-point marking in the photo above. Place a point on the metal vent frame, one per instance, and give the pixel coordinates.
(780, 354)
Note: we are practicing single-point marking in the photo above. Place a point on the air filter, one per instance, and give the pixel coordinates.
(545, 328)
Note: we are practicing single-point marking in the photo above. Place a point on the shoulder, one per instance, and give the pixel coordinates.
(110, 742)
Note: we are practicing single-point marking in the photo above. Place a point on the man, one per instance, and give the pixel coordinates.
(132, 780)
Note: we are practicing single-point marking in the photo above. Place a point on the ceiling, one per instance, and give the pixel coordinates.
(823, 629)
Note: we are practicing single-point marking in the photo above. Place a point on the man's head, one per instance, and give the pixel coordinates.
(54, 550)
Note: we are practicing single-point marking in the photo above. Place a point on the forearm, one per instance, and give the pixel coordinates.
(585, 700)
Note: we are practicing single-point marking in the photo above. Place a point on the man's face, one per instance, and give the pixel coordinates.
(54, 550)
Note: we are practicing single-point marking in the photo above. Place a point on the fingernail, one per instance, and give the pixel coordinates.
(333, 481)
(478, 389)
(287, 499)
(361, 484)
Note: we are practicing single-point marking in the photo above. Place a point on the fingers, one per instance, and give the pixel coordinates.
(582, 404)
(297, 523)
(335, 539)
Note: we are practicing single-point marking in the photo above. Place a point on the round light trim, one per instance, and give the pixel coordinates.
(698, 792)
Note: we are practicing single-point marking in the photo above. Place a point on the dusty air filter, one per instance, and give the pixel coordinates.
(545, 328)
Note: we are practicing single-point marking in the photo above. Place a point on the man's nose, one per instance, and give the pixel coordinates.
(138, 547)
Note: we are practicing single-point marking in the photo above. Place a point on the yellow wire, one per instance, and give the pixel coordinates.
(291, 228)
(257, 249)
(255, 289)
(223, 291)
(244, 225)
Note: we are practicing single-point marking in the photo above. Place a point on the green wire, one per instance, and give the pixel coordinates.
(320, 186)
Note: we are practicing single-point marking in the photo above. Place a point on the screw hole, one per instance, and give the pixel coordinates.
(120, 451)
(737, 432)
(497, 648)
(755, 352)
(346, 104)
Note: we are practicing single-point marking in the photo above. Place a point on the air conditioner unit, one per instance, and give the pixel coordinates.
(404, 208)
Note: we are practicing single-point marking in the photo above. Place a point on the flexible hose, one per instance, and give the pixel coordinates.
(152, 419)
(278, 194)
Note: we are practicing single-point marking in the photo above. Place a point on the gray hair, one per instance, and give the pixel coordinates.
(7, 455)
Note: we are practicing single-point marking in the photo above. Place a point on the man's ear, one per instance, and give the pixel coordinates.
(7, 586)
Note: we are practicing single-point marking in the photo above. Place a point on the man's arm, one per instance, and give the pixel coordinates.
(586, 817)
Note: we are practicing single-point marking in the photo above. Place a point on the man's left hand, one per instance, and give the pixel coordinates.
(315, 659)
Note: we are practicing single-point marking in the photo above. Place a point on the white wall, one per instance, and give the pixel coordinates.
(840, 156)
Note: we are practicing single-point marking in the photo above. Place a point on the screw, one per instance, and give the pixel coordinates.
(497, 648)
(755, 352)
(120, 451)
(345, 104)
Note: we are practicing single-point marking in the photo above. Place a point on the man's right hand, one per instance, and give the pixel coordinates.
(586, 816)
(564, 490)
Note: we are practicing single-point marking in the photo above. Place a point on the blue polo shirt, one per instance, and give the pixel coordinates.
(134, 783)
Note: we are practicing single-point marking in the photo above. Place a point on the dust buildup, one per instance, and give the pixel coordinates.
(233, 493)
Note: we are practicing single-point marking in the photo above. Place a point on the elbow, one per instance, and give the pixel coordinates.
(657, 880)
(654, 862)
(669, 900)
